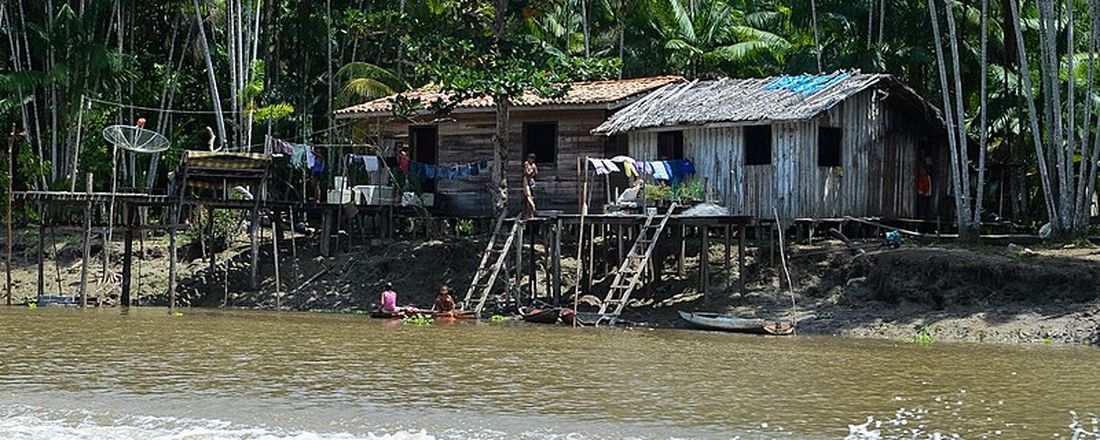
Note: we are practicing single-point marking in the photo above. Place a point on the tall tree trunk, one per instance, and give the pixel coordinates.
(584, 27)
(817, 36)
(1033, 116)
(957, 171)
(984, 135)
(503, 107)
(210, 73)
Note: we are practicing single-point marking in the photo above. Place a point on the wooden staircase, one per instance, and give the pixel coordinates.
(492, 261)
(630, 271)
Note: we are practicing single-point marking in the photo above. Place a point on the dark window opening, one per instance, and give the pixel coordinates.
(758, 145)
(541, 139)
(670, 145)
(828, 146)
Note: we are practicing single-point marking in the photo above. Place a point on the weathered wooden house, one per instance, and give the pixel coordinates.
(558, 131)
(810, 146)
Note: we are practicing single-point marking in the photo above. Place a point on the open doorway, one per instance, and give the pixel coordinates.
(424, 148)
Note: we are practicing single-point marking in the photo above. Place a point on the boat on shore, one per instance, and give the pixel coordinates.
(730, 323)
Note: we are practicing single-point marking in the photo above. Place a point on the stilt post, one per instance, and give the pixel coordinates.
(704, 255)
(87, 242)
(41, 249)
(741, 258)
(127, 255)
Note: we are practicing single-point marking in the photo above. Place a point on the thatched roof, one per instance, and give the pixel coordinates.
(766, 100)
(605, 94)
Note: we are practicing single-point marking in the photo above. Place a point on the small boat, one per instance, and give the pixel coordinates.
(454, 314)
(552, 315)
(400, 313)
(729, 323)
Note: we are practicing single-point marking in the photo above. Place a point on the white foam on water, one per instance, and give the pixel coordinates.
(22, 422)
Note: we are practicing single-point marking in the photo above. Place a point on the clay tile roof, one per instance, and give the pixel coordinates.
(608, 93)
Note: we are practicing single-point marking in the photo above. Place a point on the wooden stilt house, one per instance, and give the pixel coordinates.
(809, 146)
(558, 131)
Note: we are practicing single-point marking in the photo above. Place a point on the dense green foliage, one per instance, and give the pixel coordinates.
(286, 64)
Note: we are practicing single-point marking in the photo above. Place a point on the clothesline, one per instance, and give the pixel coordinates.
(673, 171)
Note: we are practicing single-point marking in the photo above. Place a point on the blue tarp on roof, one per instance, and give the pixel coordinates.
(806, 84)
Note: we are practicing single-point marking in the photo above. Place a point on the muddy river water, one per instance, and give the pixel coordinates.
(113, 374)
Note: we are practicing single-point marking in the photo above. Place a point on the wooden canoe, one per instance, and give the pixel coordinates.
(730, 323)
(549, 315)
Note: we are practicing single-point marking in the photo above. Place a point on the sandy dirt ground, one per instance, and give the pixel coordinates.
(985, 293)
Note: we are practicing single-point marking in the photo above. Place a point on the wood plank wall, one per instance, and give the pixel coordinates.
(879, 157)
(468, 137)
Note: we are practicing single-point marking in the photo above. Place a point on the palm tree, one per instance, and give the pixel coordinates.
(707, 37)
(366, 81)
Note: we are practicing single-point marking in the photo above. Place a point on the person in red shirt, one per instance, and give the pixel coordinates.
(924, 193)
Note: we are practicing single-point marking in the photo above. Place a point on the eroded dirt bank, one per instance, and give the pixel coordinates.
(991, 294)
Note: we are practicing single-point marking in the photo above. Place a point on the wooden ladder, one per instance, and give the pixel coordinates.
(496, 253)
(629, 273)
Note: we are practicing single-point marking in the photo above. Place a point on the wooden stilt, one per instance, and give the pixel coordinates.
(172, 256)
(293, 248)
(619, 240)
(726, 260)
(681, 244)
(41, 249)
(741, 258)
(704, 264)
(127, 255)
(8, 237)
(591, 257)
(210, 236)
(532, 280)
(519, 260)
(87, 243)
(326, 232)
(556, 262)
(254, 244)
(275, 235)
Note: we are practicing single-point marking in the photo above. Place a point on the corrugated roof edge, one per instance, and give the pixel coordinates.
(615, 125)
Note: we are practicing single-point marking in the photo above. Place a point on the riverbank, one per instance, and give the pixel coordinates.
(982, 294)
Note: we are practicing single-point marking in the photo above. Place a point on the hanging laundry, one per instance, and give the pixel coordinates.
(611, 167)
(300, 156)
(628, 164)
(658, 169)
(316, 161)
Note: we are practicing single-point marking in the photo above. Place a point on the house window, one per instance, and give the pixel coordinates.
(670, 145)
(758, 145)
(828, 146)
(541, 139)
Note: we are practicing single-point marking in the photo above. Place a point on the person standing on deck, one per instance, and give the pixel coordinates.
(389, 299)
(530, 171)
(924, 193)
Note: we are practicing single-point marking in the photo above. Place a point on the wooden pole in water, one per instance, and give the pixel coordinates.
(87, 242)
(580, 240)
(681, 244)
(8, 237)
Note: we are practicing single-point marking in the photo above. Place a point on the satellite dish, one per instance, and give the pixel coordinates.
(135, 138)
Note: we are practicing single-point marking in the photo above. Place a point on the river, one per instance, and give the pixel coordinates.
(210, 374)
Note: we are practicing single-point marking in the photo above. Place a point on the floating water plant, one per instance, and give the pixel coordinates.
(497, 318)
(924, 336)
(32, 306)
(419, 320)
